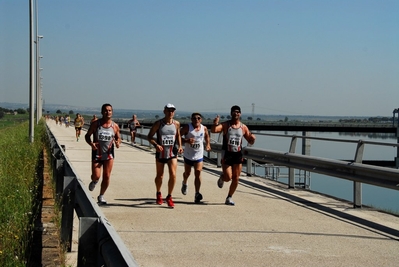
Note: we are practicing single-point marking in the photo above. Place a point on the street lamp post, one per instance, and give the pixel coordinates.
(38, 82)
(31, 74)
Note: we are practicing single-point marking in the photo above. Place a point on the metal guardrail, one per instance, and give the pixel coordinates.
(354, 170)
(99, 244)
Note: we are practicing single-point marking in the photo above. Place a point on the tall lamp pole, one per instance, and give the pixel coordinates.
(31, 74)
(38, 57)
(38, 86)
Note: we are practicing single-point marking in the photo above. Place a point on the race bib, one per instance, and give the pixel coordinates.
(168, 140)
(195, 146)
(234, 141)
(105, 136)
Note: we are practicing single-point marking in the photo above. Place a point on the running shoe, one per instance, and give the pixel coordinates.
(183, 188)
(220, 181)
(198, 197)
(92, 185)
(169, 201)
(101, 200)
(159, 198)
(229, 201)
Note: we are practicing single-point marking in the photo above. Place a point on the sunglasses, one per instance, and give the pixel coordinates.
(196, 118)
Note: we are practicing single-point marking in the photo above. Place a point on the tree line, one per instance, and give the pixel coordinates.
(4, 111)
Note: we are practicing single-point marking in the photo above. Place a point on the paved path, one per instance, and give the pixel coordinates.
(269, 226)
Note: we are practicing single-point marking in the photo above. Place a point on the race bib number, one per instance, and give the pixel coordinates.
(168, 140)
(195, 146)
(234, 141)
(105, 136)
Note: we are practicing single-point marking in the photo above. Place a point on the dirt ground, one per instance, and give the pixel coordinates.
(46, 249)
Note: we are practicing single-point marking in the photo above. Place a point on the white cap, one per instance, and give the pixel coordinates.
(169, 105)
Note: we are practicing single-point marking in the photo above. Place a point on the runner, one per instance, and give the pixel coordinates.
(105, 133)
(167, 145)
(133, 124)
(194, 135)
(233, 132)
(78, 122)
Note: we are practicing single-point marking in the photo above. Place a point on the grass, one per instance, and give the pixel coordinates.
(18, 189)
(13, 120)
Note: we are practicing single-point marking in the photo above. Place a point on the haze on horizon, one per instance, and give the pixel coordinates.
(310, 57)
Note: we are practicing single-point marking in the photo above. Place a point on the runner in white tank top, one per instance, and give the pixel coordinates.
(194, 136)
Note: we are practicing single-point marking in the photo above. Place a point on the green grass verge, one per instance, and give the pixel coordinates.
(13, 120)
(18, 190)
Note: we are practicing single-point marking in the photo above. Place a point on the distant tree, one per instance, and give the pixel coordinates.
(156, 116)
(6, 110)
(71, 112)
(258, 119)
(58, 111)
(222, 117)
(21, 111)
(286, 119)
(249, 118)
(228, 117)
(1, 114)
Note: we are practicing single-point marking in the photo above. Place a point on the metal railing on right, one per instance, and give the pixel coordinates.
(99, 244)
(353, 170)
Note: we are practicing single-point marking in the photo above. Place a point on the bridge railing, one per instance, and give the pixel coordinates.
(99, 244)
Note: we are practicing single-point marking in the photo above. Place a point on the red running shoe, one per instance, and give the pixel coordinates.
(159, 198)
(169, 201)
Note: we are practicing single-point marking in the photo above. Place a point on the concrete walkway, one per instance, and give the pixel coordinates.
(269, 226)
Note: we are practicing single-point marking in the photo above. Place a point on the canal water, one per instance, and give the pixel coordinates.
(382, 198)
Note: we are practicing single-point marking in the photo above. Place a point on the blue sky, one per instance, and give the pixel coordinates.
(333, 58)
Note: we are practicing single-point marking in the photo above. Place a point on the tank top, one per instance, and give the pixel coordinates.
(132, 125)
(194, 151)
(105, 139)
(232, 140)
(78, 122)
(166, 137)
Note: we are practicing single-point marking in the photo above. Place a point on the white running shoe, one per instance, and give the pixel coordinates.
(101, 199)
(229, 201)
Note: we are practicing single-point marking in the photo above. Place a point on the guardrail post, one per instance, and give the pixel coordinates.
(291, 171)
(249, 167)
(59, 177)
(397, 148)
(88, 242)
(218, 159)
(357, 186)
(305, 151)
(141, 131)
(68, 204)
(218, 154)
